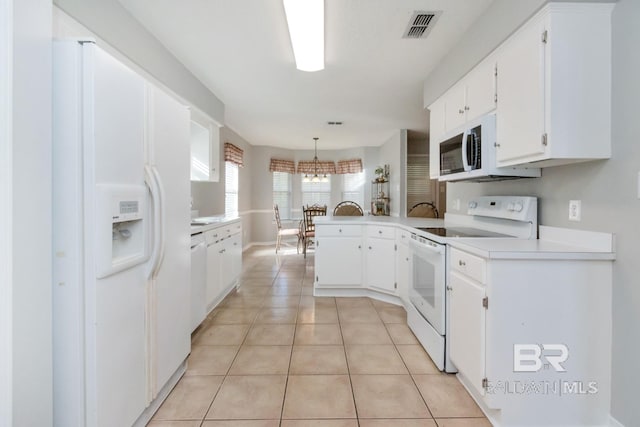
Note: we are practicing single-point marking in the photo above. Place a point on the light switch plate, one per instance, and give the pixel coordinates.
(575, 210)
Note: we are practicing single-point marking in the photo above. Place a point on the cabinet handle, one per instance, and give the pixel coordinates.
(369, 247)
(359, 246)
(449, 288)
(461, 263)
(379, 231)
(495, 144)
(460, 111)
(340, 230)
(407, 259)
(466, 108)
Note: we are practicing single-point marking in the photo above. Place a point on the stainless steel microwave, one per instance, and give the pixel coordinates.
(469, 153)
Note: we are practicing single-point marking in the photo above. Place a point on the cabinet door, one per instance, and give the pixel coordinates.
(235, 257)
(467, 328)
(481, 89)
(403, 270)
(380, 272)
(454, 106)
(205, 149)
(521, 96)
(436, 130)
(338, 261)
(214, 253)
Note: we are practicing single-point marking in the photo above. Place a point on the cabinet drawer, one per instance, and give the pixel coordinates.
(381, 231)
(403, 236)
(337, 230)
(470, 265)
(212, 236)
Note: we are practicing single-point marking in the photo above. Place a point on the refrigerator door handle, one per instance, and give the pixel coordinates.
(156, 252)
(160, 218)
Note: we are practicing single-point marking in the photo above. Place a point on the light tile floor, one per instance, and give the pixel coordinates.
(272, 355)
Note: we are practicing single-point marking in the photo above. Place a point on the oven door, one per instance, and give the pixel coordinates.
(427, 291)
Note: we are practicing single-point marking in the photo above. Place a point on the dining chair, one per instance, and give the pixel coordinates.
(284, 232)
(309, 228)
(348, 208)
(423, 210)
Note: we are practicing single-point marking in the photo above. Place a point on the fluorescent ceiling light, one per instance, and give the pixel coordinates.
(306, 29)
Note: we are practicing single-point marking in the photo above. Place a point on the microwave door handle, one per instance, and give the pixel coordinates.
(476, 150)
(465, 154)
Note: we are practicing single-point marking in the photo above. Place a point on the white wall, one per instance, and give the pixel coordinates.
(609, 193)
(393, 153)
(111, 23)
(25, 322)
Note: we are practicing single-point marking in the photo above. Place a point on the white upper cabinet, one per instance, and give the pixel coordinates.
(469, 99)
(205, 149)
(554, 87)
(436, 130)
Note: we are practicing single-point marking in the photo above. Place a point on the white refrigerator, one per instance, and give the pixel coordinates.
(121, 239)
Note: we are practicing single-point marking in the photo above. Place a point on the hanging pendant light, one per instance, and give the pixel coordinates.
(316, 177)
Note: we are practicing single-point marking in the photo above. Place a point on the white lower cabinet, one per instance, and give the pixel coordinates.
(404, 270)
(359, 256)
(531, 338)
(467, 327)
(380, 264)
(224, 262)
(338, 256)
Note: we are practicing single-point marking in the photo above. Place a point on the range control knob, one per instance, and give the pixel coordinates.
(511, 206)
(518, 207)
(472, 204)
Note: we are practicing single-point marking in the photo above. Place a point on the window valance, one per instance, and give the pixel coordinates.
(278, 165)
(324, 167)
(349, 166)
(233, 154)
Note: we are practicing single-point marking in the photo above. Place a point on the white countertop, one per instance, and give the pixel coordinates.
(555, 243)
(408, 223)
(212, 222)
(528, 249)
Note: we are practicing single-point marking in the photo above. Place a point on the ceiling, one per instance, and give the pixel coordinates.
(372, 80)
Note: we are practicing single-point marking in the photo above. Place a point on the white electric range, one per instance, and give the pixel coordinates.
(487, 217)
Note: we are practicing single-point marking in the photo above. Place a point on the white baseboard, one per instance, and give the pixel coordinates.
(614, 423)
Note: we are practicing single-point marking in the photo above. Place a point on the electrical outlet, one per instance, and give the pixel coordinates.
(456, 204)
(575, 210)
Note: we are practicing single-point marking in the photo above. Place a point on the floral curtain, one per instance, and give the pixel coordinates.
(349, 166)
(278, 165)
(233, 154)
(324, 167)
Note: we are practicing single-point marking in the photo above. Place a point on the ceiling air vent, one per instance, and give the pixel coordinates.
(420, 24)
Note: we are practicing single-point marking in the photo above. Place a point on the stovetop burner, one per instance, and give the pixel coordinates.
(461, 232)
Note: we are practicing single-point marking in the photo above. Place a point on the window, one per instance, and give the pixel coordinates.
(282, 193)
(230, 188)
(418, 182)
(353, 188)
(316, 192)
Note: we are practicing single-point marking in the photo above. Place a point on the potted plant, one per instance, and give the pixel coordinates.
(381, 174)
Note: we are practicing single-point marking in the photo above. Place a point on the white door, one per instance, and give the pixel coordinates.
(467, 328)
(338, 261)
(214, 254)
(521, 102)
(168, 150)
(380, 271)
